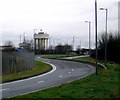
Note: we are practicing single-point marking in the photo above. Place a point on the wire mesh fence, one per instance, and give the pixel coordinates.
(15, 62)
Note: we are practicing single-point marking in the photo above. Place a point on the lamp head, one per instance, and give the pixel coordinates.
(102, 9)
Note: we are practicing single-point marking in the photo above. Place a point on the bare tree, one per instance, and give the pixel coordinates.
(9, 46)
(9, 43)
(113, 47)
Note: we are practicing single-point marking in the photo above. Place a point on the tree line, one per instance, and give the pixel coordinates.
(113, 47)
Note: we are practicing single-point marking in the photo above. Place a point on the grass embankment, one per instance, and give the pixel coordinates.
(59, 56)
(88, 59)
(104, 85)
(39, 68)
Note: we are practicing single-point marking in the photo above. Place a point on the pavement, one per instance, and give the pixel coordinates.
(62, 72)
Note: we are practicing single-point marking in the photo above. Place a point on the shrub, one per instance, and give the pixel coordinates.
(113, 47)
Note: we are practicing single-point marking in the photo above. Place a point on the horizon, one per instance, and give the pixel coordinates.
(61, 19)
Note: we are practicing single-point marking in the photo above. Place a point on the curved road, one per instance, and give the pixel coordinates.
(63, 72)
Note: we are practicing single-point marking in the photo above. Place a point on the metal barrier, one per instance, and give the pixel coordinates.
(15, 62)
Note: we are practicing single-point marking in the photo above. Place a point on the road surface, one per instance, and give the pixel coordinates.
(63, 72)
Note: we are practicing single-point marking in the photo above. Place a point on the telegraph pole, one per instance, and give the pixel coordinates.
(73, 42)
(20, 38)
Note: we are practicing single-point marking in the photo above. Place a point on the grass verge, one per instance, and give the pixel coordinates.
(59, 56)
(88, 59)
(104, 85)
(39, 68)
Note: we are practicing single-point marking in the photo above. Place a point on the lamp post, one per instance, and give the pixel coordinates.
(96, 35)
(35, 41)
(89, 37)
(105, 37)
(49, 45)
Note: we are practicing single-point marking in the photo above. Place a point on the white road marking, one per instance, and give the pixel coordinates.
(40, 81)
(38, 57)
(69, 72)
(54, 69)
(60, 76)
(72, 69)
(93, 69)
(4, 89)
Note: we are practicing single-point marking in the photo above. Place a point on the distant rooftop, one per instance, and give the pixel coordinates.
(41, 32)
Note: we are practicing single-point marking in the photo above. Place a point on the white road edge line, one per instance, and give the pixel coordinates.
(51, 71)
(4, 89)
(92, 71)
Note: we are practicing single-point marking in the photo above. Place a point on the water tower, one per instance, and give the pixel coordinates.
(40, 40)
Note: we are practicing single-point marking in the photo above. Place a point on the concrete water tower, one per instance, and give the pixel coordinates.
(40, 40)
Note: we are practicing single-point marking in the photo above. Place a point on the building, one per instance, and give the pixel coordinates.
(7, 48)
(41, 40)
(24, 45)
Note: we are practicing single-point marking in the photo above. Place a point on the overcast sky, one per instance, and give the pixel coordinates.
(61, 19)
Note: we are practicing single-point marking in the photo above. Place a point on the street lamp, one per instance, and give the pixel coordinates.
(89, 36)
(35, 41)
(96, 36)
(105, 37)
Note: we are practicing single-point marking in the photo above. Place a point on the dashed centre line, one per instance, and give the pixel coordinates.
(40, 81)
(72, 69)
(69, 72)
(60, 76)
(4, 89)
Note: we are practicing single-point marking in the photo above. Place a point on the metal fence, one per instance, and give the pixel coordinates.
(15, 62)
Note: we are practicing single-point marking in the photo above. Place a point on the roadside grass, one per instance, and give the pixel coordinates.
(102, 86)
(59, 56)
(88, 58)
(39, 68)
(85, 58)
